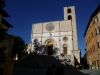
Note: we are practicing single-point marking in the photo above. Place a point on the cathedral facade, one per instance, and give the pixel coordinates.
(57, 38)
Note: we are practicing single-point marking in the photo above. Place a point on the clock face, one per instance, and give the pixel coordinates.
(49, 26)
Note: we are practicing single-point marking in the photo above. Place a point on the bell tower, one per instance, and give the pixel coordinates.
(69, 14)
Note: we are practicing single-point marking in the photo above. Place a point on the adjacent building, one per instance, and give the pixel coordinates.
(57, 38)
(92, 40)
(8, 41)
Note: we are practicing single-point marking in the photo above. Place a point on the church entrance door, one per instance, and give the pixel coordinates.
(50, 50)
(65, 50)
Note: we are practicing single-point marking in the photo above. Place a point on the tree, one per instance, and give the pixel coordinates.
(2, 55)
(2, 34)
(19, 46)
(2, 37)
(2, 3)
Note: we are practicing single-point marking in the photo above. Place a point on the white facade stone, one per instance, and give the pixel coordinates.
(55, 33)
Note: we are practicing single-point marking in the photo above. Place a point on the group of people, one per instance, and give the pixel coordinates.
(52, 70)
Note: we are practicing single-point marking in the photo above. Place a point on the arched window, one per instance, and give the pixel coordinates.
(69, 17)
(93, 48)
(69, 10)
(65, 49)
(98, 30)
(89, 52)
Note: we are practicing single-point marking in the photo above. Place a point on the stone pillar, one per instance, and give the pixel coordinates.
(77, 55)
(72, 58)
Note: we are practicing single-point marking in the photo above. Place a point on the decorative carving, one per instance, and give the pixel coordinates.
(49, 26)
(65, 39)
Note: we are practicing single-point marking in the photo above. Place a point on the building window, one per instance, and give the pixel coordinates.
(69, 17)
(98, 30)
(99, 44)
(87, 41)
(88, 52)
(65, 49)
(99, 17)
(69, 10)
(93, 48)
(96, 19)
(89, 38)
(91, 34)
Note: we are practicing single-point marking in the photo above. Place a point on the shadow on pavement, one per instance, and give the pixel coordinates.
(38, 64)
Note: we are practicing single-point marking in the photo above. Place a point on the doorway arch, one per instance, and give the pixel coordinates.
(49, 44)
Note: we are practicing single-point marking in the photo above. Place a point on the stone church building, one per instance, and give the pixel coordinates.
(57, 38)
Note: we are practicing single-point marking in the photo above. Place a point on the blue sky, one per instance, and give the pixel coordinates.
(25, 12)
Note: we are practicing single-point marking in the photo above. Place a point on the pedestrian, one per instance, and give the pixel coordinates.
(49, 71)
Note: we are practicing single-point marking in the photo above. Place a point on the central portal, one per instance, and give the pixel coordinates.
(50, 47)
(50, 50)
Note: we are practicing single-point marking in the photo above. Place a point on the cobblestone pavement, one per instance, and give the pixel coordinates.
(90, 72)
(31, 71)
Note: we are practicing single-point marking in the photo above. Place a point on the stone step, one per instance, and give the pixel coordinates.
(42, 60)
(31, 71)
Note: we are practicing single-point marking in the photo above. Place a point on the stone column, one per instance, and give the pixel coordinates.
(72, 58)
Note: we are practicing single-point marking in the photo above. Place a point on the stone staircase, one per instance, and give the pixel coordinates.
(43, 60)
(31, 71)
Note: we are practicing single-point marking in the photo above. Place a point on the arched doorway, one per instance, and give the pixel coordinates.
(49, 43)
(50, 48)
(65, 49)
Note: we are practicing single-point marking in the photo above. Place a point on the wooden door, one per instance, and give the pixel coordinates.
(65, 50)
